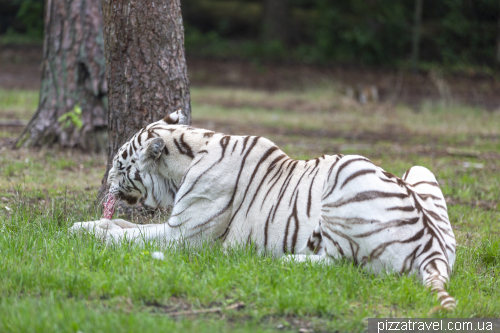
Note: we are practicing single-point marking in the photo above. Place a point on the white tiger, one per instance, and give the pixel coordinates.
(245, 190)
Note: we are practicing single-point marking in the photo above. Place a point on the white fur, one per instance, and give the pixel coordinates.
(244, 190)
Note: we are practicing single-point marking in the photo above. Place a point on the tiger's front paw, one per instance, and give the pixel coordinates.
(117, 235)
(116, 224)
(85, 226)
(105, 224)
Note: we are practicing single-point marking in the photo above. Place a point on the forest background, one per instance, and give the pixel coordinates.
(455, 34)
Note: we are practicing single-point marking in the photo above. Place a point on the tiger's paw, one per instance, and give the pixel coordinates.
(117, 224)
(106, 224)
(118, 235)
(84, 226)
(110, 231)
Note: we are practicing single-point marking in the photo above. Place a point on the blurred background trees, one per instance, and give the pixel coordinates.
(453, 33)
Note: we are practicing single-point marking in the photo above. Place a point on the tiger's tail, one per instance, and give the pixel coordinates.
(436, 279)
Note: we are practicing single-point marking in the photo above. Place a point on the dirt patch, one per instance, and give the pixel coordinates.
(8, 142)
(20, 76)
(393, 85)
(389, 133)
(20, 68)
(270, 104)
(174, 304)
(296, 323)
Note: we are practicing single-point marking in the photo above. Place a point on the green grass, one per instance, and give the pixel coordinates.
(325, 108)
(20, 104)
(69, 283)
(75, 282)
(49, 170)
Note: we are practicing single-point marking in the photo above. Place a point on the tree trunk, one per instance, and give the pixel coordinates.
(145, 67)
(72, 108)
(276, 20)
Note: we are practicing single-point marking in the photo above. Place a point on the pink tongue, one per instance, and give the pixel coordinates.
(109, 207)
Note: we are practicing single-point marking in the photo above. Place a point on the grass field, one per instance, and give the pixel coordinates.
(51, 281)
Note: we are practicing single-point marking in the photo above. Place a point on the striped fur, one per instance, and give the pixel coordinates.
(384, 223)
(245, 190)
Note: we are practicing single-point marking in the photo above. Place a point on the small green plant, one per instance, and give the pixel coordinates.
(72, 117)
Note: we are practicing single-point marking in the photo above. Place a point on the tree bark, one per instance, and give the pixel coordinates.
(276, 20)
(72, 108)
(145, 67)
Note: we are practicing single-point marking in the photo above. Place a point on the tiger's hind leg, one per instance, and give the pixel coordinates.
(313, 251)
(384, 223)
(360, 211)
(423, 179)
(435, 273)
(423, 182)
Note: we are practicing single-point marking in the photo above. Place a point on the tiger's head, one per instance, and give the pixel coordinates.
(136, 173)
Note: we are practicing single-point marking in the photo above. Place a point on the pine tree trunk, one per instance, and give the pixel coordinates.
(276, 21)
(73, 79)
(145, 66)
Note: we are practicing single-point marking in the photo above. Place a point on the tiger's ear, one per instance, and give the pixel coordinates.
(176, 118)
(155, 148)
